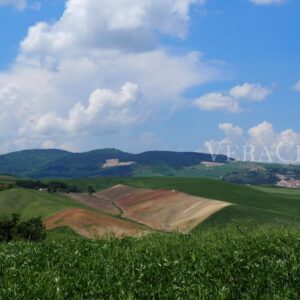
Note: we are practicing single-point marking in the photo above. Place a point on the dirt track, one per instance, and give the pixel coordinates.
(99, 203)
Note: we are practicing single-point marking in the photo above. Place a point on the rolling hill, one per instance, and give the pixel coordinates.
(138, 206)
(41, 164)
(120, 210)
(62, 164)
(255, 205)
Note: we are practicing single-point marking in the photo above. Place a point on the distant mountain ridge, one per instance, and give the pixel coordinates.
(56, 163)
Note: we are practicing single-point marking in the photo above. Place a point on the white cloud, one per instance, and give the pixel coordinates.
(19, 4)
(261, 143)
(109, 24)
(106, 111)
(230, 101)
(98, 47)
(296, 87)
(250, 91)
(267, 2)
(217, 101)
(230, 130)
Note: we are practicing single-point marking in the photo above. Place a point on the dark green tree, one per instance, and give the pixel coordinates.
(11, 228)
(91, 190)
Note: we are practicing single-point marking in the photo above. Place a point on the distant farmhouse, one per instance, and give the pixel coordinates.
(113, 163)
(289, 183)
(209, 164)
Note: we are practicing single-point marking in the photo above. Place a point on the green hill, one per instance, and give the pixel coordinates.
(62, 164)
(31, 203)
(24, 163)
(255, 205)
(41, 164)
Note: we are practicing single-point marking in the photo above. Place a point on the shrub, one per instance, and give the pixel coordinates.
(4, 187)
(91, 190)
(11, 228)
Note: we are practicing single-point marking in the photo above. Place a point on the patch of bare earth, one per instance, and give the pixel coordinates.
(161, 209)
(93, 224)
(98, 203)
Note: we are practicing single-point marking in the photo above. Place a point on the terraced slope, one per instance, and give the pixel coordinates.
(162, 209)
(59, 211)
(95, 224)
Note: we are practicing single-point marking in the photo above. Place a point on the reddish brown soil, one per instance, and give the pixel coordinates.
(161, 209)
(98, 203)
(93, 224)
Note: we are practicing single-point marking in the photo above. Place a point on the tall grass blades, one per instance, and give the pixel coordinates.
(233, 263)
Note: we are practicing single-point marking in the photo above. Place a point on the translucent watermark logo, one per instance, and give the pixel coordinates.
(284, 153)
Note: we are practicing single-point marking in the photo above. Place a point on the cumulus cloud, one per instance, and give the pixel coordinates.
(250, 91)
(64, 67)
(217, 101)
(106, 111)
(267, 2)
(230, 100)
(260, 143)
(296, 87)
(19, 4)
(231, 131)
(109, 24)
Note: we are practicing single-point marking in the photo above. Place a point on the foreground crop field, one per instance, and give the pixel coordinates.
(231, 263)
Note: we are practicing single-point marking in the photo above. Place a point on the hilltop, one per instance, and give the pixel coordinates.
(104, 162)
(41, 164)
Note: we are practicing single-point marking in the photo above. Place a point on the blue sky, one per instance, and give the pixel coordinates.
(182, 68)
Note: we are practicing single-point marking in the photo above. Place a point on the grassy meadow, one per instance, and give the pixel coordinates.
(30, 203)
(229, 263)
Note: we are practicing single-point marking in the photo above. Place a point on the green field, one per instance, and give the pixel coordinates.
(257, 205)
(30, 203)
(7, 179)
(231, 263)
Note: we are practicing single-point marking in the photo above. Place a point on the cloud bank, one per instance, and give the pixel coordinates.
(98, 70)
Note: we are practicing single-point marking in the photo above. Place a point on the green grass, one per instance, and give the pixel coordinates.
(258, 205)
(62, 234)
(30, 203)
(7, 179)
(231, 263)
(215, 172)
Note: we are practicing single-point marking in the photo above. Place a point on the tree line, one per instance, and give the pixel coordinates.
(51, 187)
